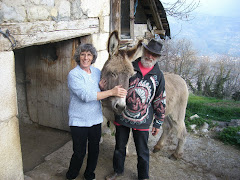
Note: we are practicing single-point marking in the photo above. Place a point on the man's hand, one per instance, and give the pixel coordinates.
(155, 131)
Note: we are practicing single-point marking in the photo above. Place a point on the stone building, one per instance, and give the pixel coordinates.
(37, 42)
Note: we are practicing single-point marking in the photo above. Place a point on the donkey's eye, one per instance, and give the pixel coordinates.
(113, 75)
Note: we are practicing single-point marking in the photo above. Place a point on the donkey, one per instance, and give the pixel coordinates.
(118, 69)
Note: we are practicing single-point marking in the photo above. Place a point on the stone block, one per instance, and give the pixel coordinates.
(104, 24)
(11, 14)
(14, 3)
(54, 12)
(37, 13)
(140, 30)
(100, 41)
(64, 10)
(101, 59)
(8, 98)
(96, 8)
(49, 3)
(76, 10)
(10, 151)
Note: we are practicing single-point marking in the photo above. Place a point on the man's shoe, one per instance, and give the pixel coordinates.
(113, 176)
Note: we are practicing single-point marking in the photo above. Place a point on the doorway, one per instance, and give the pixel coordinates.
(43, 98)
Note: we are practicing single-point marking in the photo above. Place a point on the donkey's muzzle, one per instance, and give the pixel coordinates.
(119, 109)
(119, 105)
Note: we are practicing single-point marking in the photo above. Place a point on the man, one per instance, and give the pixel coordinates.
(145, 102)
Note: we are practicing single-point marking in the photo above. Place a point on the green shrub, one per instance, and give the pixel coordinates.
(236, 96)
(212, 108)
(230, 135)
(208, 109)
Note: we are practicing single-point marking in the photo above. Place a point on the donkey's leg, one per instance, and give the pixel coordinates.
(181, 134)
(167, 127)
(127, 146)
(180, 146)
(128, 143)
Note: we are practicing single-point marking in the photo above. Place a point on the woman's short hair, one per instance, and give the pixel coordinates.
(84, 48)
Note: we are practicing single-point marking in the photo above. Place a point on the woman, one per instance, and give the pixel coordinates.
(85, 113)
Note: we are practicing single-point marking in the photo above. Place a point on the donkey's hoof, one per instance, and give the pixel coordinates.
(172, 157)
(155, 150)
(175, 156)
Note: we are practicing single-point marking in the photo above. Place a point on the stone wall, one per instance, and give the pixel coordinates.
(10, 149)
(35, 22)
(48, 10)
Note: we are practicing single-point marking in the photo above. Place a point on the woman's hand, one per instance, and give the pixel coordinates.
(119, 91)
(102, 84)
(116, 91)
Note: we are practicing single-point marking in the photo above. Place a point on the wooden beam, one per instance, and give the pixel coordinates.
(115, 15)
(148, 11)
(159, 32)
(155, 14)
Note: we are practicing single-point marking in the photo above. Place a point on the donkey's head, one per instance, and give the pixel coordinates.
(118, 69)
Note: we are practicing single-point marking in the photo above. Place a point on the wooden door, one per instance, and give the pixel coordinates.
(47, 67)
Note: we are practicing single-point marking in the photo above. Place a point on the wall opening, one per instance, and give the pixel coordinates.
(125, 20)
(42, 95)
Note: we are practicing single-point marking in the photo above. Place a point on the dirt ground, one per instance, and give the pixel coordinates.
(38, 141)
(204, 158)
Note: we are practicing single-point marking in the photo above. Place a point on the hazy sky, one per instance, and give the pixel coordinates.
(216, 7)
(220, 7)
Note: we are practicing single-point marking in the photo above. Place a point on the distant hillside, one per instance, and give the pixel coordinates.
(210, 35)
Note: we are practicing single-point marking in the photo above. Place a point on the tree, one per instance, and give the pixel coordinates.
(219, 84)
(181, 9)
(186, 59)
(218, 77)
(179, 57)
(223, 78)
(232, 86)
(202, 71)
(207, 86)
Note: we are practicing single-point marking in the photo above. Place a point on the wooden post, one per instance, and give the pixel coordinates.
(115, 18)
(132, 18)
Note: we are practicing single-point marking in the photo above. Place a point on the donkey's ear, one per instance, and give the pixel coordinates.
(135, 52)
(113, 43)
